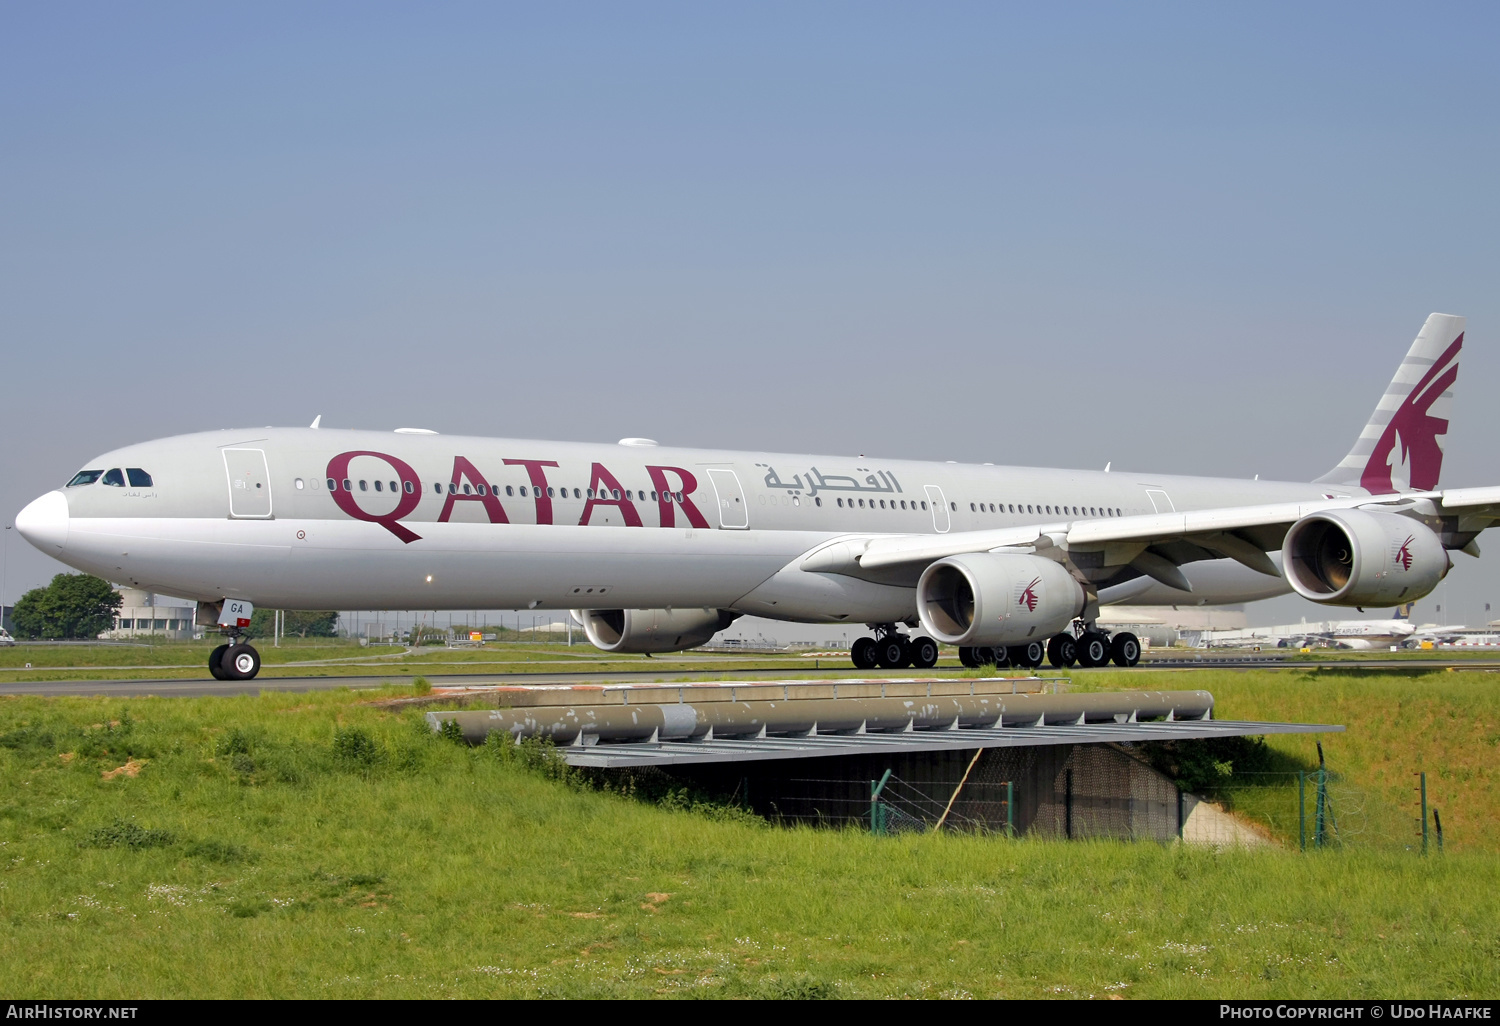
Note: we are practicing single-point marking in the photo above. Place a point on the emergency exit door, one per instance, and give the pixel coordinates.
(249, 484)
(733, 513)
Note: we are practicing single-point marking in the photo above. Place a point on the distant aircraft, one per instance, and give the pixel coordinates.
(656, 549)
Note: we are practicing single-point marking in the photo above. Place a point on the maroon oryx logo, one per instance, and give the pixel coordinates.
(1028, 596)
(1403, 554)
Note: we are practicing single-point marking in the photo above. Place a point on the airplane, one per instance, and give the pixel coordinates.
(656, 548)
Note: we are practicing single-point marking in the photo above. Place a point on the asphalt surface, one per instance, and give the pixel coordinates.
(207, 687)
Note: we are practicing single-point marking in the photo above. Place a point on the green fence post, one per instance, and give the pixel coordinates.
(1423, 777)
(1318, 810)
(1302, 809)
(877, 813)
(1437, 824)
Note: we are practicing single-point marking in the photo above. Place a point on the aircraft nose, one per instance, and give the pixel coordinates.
(44, 523)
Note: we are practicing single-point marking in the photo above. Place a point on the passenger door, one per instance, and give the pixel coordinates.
(939, 504)
(733, 513)
(249, 484)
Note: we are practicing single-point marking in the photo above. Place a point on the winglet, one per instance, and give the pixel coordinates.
(316, 421)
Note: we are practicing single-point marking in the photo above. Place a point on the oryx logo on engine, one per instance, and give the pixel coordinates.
(1403, 552)
(1028, 596)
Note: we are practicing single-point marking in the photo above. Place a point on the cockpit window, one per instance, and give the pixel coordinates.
(114, 477)
(84, 477)
(138, 477)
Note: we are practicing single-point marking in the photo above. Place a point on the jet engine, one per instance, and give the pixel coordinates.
(1352, 557)
(996, 599)
(651, 630)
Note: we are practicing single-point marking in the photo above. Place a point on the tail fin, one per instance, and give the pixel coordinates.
(1402, 445)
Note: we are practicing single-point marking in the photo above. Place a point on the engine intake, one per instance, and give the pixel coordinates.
(996, 599)
(1352, 557)
(651, 630)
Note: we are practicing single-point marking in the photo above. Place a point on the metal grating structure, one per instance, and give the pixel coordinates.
(623, 755)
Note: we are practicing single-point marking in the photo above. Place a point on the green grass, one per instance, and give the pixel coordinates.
(316, 845)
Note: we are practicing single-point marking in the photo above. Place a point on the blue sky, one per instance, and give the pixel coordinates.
(1191, 238)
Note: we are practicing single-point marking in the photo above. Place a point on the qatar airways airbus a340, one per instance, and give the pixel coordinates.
(656, 548)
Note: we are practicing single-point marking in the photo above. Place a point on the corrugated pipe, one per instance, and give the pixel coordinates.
(588, 724)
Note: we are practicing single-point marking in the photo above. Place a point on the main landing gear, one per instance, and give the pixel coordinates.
(891, 650)
(1027, 656)
(1093, 648)
(236, 660)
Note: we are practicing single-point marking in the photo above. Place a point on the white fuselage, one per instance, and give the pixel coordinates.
(500, 523)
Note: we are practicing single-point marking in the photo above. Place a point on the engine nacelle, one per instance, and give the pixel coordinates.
(651, 630)
(988, 598)
(1352, 557)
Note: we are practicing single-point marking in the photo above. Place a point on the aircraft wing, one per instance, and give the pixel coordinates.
(1153, 545)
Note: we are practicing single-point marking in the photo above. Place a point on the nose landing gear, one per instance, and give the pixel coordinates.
(236, 660)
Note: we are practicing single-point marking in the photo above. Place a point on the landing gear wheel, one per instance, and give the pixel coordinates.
(863, 653)
(240, 662)
(216, 662)
(892, 653)
(1125, 649)
(1062, 651)
(924, 653)
(1093, 650)
(1029, 655)
(966, 657)
(1002, 656)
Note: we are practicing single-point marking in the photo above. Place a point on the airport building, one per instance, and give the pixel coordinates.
(144, 614)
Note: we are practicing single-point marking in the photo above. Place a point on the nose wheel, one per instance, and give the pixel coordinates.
(237, 661)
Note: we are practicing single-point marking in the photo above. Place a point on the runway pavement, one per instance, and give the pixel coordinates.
(1177, 662)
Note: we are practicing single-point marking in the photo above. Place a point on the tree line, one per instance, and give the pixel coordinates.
(82, 606)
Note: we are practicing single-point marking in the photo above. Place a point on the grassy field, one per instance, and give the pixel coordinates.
(317, 845)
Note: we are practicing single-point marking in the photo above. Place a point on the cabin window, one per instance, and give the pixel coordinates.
(409, 487)
(379, 487)
(298, 484)
(614, 493)
(364, 486)
(332, 485)
(677, 497)
(841, 503)
(817, 502)
(953, 506)
(468, 490)
(85, 477)
(924, 505)
(591, 493)
(550, 492)
(523, 491)
(653, 495)
(114, 478)
(861, 503)
(971, 507)
(140, 479)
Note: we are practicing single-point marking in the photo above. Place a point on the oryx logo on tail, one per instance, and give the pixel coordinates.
(1409, 453)
(1028, 596)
